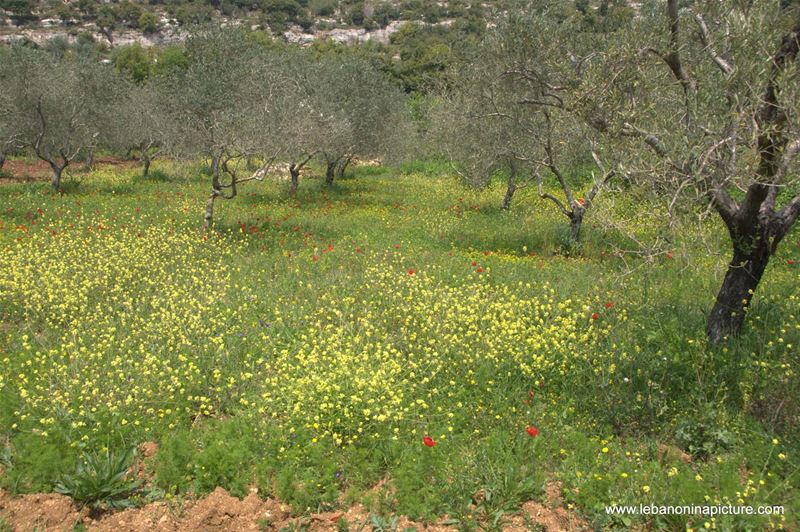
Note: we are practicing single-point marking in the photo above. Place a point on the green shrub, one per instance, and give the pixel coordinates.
(174, 461)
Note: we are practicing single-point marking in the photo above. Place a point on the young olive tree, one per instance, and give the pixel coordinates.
(57, 107)
(709, 114)
(475, 124)
(514, 106)
(363, 110)
(224, 105)
(302, 119)
(144, 125)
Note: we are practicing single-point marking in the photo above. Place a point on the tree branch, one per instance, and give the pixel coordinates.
(723, 65)
(629, 130)
(788, 215)
(725, 205)
(770, 141)
(544, 195)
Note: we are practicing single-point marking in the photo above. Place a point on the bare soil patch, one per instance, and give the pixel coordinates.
(34, 170)
(219, 511)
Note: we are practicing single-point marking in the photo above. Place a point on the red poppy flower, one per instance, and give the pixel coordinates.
(582, 201)
(609, 304)
(397, 246)
(595, 316)
(669, 255)
(358, 250)
(474, 263)
(428, 441)
(479, 270)
(790, 262)
(411, 271)
(315, 258)
(532, 431)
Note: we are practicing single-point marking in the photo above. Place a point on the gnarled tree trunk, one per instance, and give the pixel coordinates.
(330, 172)
(343, 166)
(146, 160)
(510, 189)
(741, 280)
(294, 172)
(89, 162)
(208, 217)
(575, 223)
(55, 181)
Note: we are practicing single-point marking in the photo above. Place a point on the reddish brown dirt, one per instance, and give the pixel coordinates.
(669, 453)
(18, 171)
(219, 511)
(22, 171)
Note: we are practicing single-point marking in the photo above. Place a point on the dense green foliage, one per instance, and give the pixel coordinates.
(433, 35)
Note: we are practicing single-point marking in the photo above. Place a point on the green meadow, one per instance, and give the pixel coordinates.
(396, 330)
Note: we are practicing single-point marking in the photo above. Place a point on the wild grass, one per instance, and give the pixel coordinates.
(308, 345)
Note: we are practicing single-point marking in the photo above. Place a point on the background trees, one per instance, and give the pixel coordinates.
(148, 130)
(514, 105)
(226, 96)
(56, 107)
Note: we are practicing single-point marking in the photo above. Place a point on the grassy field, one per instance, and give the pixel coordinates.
(397, 330)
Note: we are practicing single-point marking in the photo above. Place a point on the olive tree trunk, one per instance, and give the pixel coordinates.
(575, 223)
(89, 162)
(208, 217)
(741, 280)
(343, 166)
(510, 189)
(330, 172)
(294, 172)
(146, 160)
(55, 181)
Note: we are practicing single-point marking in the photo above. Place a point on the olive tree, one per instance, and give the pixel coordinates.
(225, 106)
(476, 125)
(515, 106)
(57, 107)
(143, 124)
(302, 118)
(708, 113)
(364, 112)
